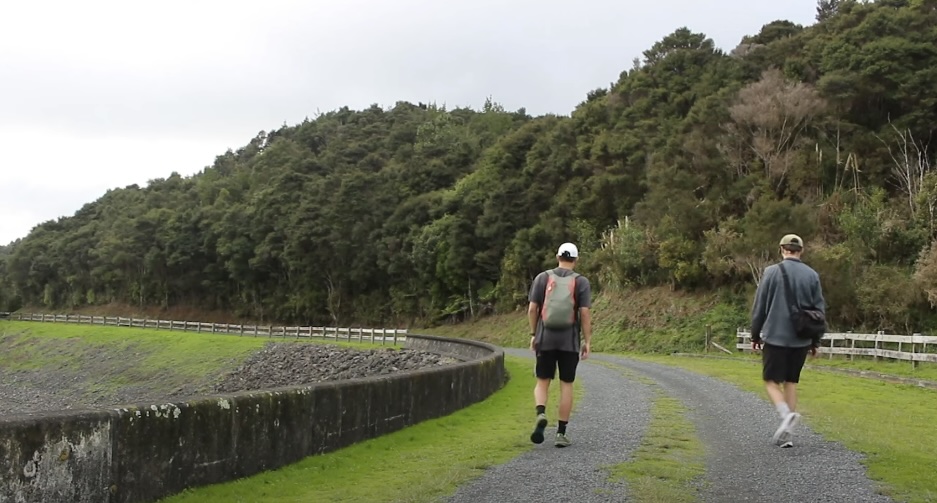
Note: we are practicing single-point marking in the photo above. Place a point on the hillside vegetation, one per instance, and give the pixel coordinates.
(679, 176)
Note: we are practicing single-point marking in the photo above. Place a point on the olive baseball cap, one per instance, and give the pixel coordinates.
(792, 240)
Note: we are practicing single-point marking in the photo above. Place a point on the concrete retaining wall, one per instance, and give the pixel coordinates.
(141, 454)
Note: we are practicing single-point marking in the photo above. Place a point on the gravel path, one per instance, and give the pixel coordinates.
(742, 463)
(574, 473)
(734, 425)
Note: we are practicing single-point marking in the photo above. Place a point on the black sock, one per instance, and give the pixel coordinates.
(562, 427)
(541, 409)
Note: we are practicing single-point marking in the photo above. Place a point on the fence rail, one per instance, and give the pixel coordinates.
(381, 335)
(881, 345)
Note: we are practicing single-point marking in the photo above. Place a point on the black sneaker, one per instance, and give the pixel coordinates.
(537, 436)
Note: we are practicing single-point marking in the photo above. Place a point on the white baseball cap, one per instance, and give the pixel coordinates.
(567, 250)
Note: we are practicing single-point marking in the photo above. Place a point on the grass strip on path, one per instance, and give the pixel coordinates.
(668, 465)
(892, 424)
(421, 463)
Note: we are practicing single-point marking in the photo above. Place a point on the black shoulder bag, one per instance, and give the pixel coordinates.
(808, 323)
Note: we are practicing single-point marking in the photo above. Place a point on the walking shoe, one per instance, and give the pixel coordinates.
(561, 440)
(785, 430)
(537, 436)
(787, 444)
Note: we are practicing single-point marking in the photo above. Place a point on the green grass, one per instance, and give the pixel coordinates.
(891, 424)
(121, 356)
(671, 457)
(421, 463)
(925, 371)
(31, 345)
(655, 320)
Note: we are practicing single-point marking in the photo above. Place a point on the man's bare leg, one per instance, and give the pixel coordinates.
(541, 392)
(776, 395)
(790, 395)
(566, 400)
(789, 418)
(566, 407)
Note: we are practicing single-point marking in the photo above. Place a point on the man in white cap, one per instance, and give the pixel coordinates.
(785, 287)
(559, 315)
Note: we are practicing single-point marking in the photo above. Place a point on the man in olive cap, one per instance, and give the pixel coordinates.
(783, 350)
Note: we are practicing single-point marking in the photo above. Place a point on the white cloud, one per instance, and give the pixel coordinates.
(47, 175)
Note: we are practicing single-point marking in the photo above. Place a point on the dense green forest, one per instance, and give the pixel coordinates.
(685, 172)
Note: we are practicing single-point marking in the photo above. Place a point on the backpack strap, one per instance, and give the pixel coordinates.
(791, 299)
(546, 289)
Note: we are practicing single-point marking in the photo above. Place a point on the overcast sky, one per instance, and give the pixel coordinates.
(102, 94)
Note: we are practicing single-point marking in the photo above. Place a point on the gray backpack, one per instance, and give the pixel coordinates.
(559, 301)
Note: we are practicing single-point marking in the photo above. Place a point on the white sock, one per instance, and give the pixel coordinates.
(783, 409)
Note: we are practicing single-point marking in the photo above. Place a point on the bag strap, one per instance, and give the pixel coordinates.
(787, 288)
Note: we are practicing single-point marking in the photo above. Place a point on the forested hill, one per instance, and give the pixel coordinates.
(685, 172)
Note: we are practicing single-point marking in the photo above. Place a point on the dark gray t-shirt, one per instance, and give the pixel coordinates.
(567, 339)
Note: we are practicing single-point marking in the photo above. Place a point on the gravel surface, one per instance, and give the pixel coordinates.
(35, 391)
(606, 426)
(277, 364)
(742, 463)
(289, 364)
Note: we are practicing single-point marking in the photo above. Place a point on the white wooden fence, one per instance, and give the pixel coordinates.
(913, 348)
(381, 335)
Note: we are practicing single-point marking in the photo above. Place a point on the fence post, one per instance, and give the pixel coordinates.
(709, 336)
(914, 351)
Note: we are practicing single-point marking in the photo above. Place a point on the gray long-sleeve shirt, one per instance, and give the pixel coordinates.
(771, 312)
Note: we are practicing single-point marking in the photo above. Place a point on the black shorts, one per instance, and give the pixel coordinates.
(782, 364)
(548, 361)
